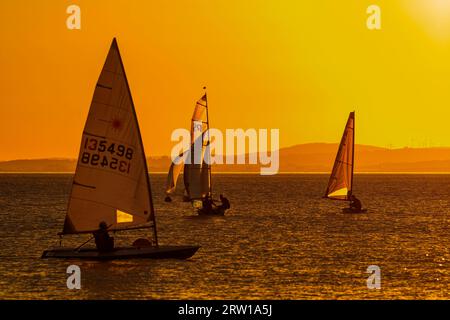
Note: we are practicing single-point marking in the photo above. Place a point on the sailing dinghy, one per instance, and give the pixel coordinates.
(340, 184)
(111, 182)
(196, 172)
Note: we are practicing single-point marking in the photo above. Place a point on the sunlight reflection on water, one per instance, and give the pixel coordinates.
(279, 241)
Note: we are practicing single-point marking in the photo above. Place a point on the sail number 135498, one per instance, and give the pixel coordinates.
(105, 154)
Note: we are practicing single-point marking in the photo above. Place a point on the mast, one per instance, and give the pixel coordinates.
(209, 144)
(152, 210)
(353, 151)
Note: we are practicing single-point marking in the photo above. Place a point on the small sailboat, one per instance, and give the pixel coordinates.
(111, 184)
(340, 184)
(197, 176)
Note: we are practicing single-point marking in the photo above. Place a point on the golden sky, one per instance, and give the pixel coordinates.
(299, 66)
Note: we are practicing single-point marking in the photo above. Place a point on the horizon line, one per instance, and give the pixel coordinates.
(258, 174)
(288, 147)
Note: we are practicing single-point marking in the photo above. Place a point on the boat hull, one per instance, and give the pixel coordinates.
(160, 252)
(213, 212)
(351, 211)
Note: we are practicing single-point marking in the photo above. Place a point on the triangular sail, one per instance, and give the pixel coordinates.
(174, 172)
(198, 171)
(111, 182)
(341, 179)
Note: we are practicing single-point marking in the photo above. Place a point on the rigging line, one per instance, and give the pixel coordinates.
(143, 226)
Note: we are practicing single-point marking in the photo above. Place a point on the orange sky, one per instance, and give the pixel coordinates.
(299, 66)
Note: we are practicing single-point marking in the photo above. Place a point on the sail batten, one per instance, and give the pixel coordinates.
(341, 180)
(111, 181)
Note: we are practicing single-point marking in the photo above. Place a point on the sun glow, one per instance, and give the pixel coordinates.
(434, 15)
(297, 66)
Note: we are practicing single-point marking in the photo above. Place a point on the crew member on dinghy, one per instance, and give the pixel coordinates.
(207, 205)
(103, 241)
(355, 203)
(225, 203)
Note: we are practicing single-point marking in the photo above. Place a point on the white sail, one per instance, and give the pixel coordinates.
(174, 172)
(341, 179)
(111, 182)
(198, 180)
(198, 177)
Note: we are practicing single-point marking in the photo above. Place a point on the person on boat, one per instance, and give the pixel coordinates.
(168, 199)
(103, 241)
(355, 204)
(207, 204)
(225, 203)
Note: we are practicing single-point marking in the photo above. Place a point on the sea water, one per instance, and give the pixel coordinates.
(280, 240)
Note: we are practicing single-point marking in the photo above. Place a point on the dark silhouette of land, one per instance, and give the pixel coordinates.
(312, 157)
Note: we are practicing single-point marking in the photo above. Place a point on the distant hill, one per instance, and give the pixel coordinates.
(319, 157)
(38, 165)
(312, 157)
